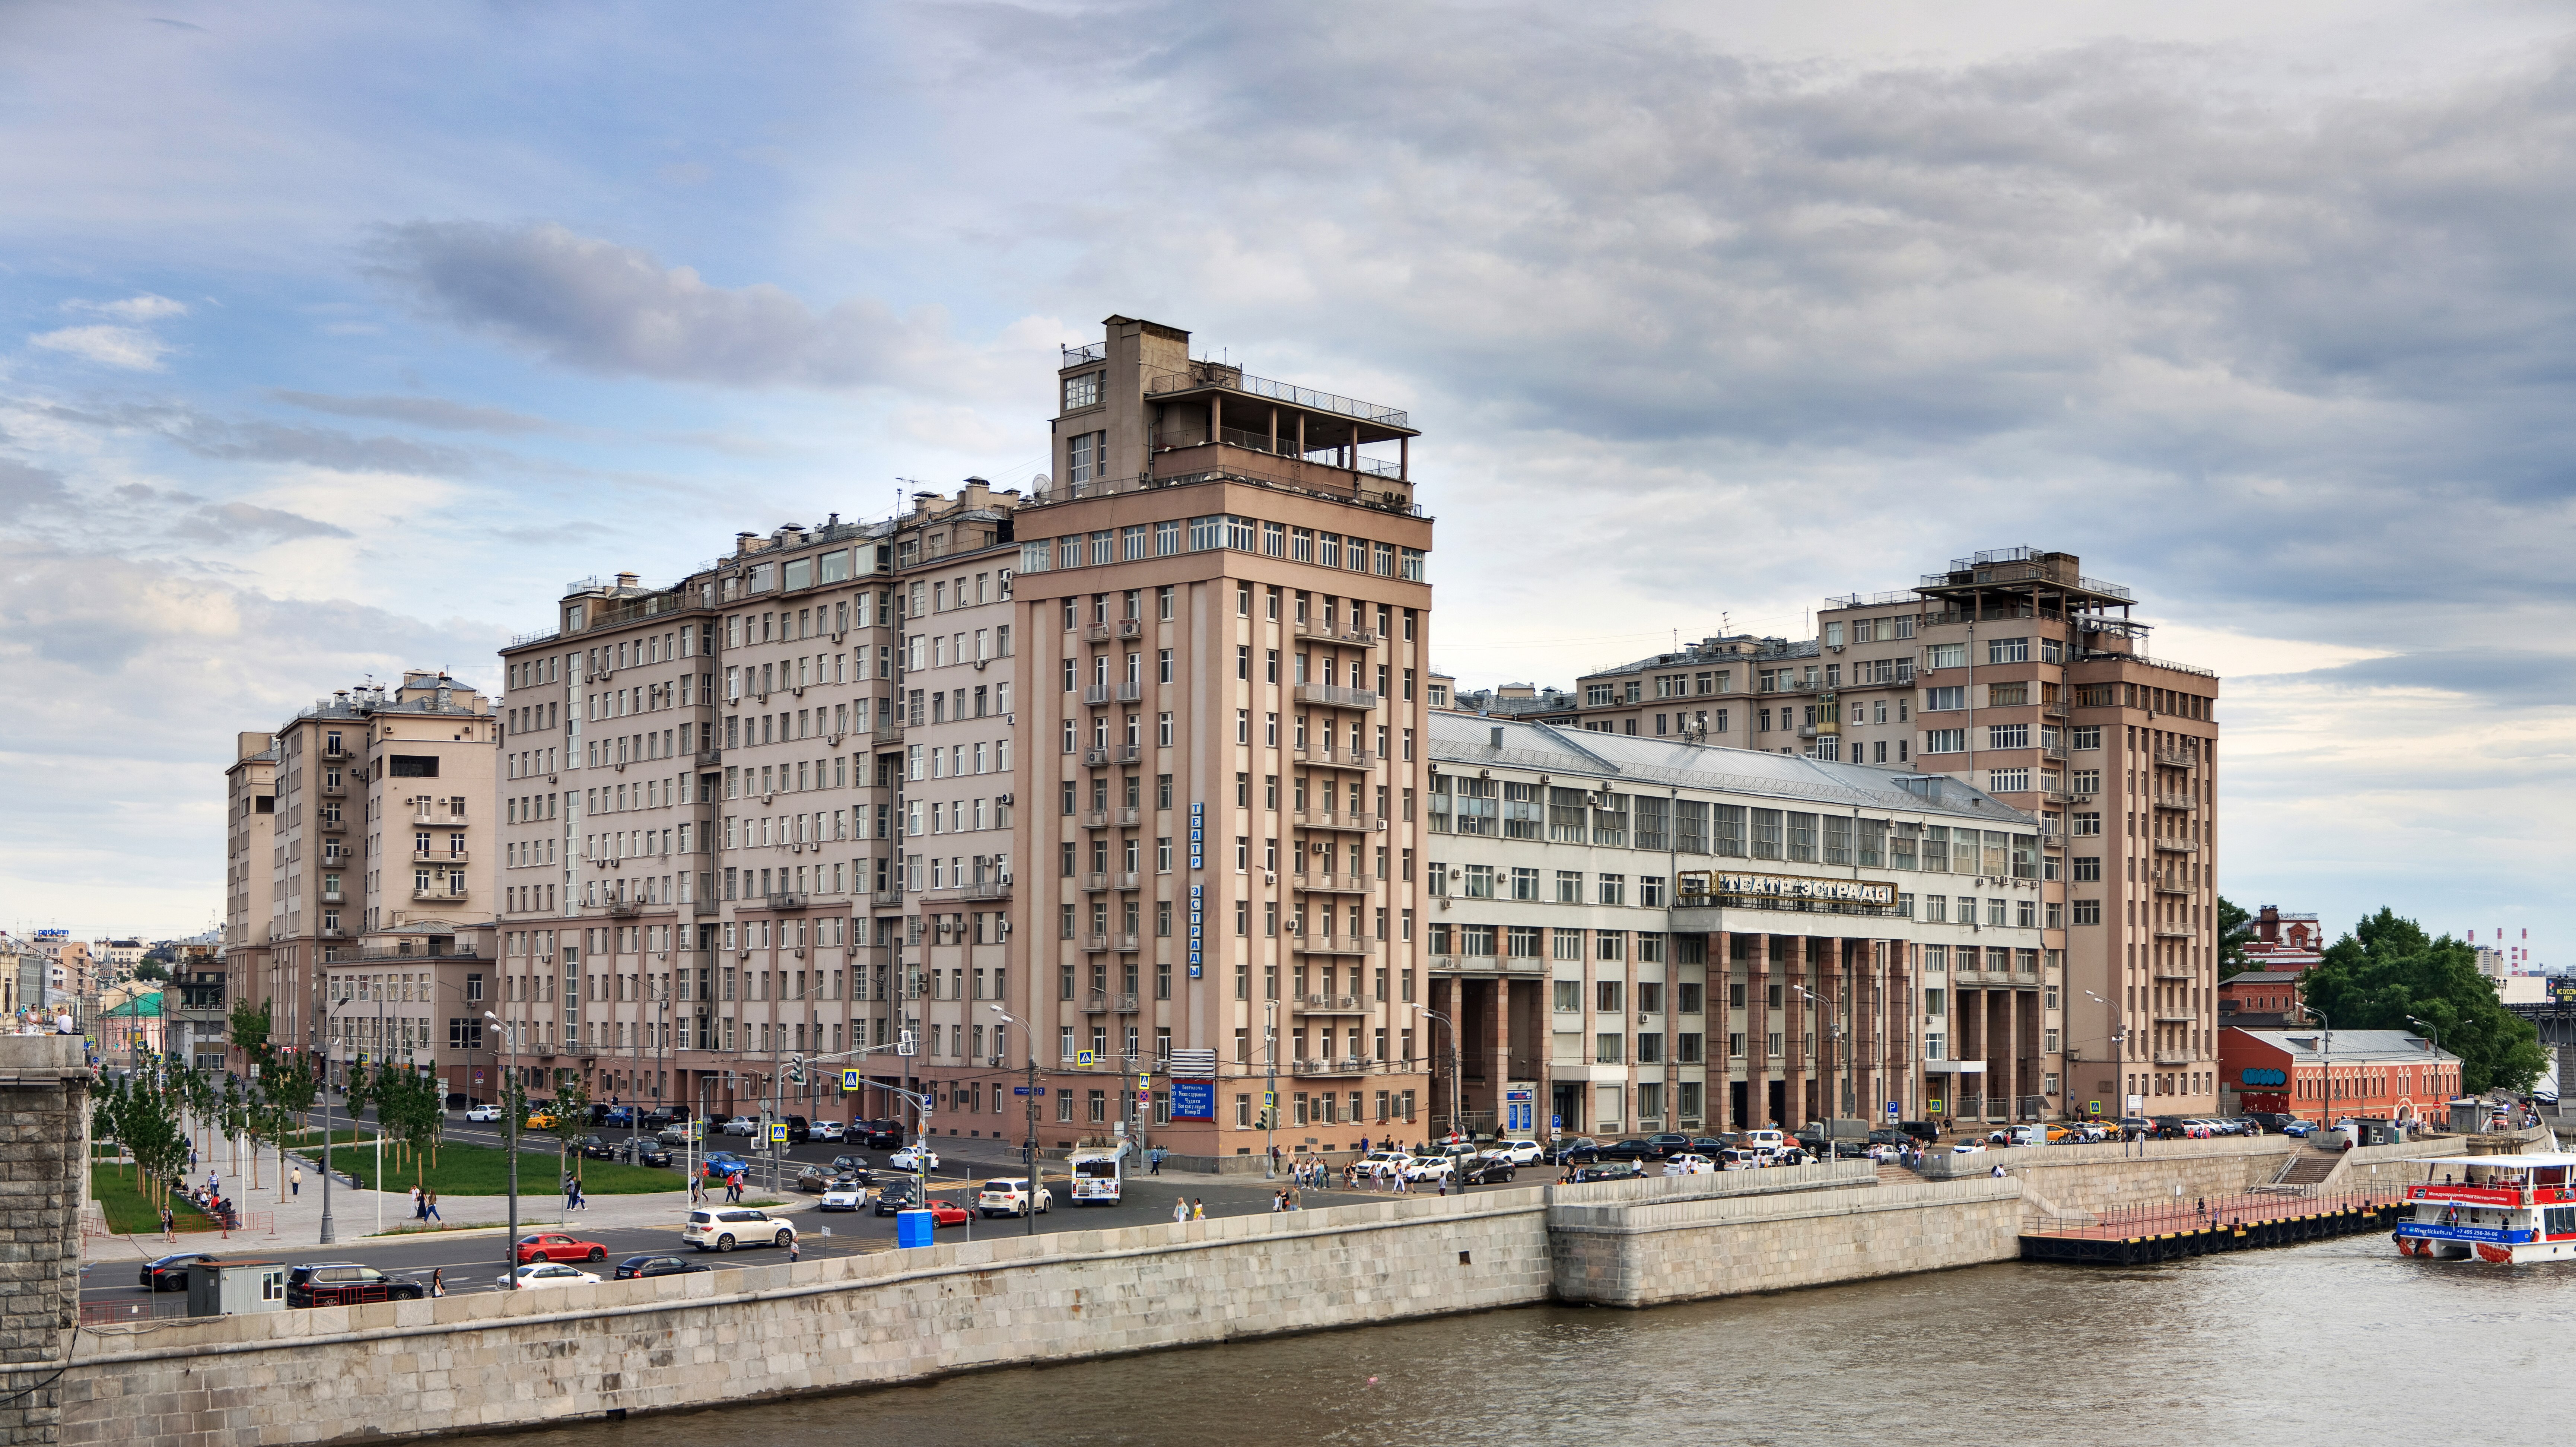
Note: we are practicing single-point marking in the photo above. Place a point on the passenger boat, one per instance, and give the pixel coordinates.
(2500, 1209)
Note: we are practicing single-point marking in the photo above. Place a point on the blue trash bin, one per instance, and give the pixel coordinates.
(912, 1228)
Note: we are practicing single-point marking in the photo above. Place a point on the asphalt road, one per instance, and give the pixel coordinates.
(472, 1263)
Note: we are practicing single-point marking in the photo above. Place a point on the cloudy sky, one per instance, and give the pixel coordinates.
(336, 338)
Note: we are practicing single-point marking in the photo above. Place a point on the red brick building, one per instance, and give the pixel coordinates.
(2260, 1000)
(2366, 1074)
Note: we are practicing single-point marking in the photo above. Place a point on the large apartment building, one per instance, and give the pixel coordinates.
(1641, 934)
(2013, 672)
(1224, 624)
(362, 824)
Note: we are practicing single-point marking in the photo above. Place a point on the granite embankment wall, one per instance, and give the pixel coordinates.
(44, 1150)
(490, 1361)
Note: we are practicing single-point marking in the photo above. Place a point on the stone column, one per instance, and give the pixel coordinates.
(1757, 1028)
(44, 1150)
(1793, 1042)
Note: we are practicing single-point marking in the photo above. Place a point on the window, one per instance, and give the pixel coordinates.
(2008, 736)
(2008, 650)
(2007, 781)
(1082, 391)
(2088, 911)
(2088, 868)
(1941, 700)
(1946, 655)
(2087, 736)
(2089, 822)
(1945, 741)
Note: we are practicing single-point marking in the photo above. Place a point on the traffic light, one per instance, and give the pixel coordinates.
(906, 1044)
(796, 1070)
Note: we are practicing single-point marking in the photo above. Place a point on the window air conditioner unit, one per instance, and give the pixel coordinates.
(1001, 798)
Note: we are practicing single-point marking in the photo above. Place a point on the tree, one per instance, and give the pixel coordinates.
(151, 970)
(248, 1029)
(234, 1113)
(2235, 927)
(572, 1117)
(288, 1086)
(2387, 970)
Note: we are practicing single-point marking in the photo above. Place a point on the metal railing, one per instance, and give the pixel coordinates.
(1335, 696)
(1086, 354)
(1336, 758)
(788, 899)
(2177, 801)
(1101, 1002)
(1320, 883)
(2172, 845)
(1314, 944)
(1350, 1065)
(1113, 692)
(1235, 379)
(2178, 758)
(1332, 1005)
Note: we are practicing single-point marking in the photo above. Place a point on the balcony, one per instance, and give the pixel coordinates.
(1486, 965)
(329, 824)
(2061, 796)
(438, 895)
(1129, 692)
(1316, 629)
(1361, 822)
(335, 791)
(2173, 1057)
(1117, 754)
(333, 896)
(1119, 942)
(792, 899)
(2182, 802)
(2171, 845)
(2174, 970)
(2175, 932)
(2166, 1018)
(980, 889)
(1094, 758)
(2167, 886)
(1333, 945)
(702, 909)
(1104, 818)
(1331, 1005)
(1094, 883)
(1329, 695)
(885, 898)
(433, 857)
(1095, 632)
(1332, 883)
(2054, 708)
(2178, 758)
(625, 909)
(1327, 756)
(2053, 752)
(1103, 1003)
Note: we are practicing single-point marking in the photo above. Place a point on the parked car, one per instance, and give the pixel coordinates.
(2299, 1129)
(672, 1140)
(722, 1228)
(915, 1157)
(2271, 1120)
(1890, 1138)
(1968, 1148)
(346, 1283)
(797, 1129)
(1009, 1196)
(1383, 1165)
(545, 1273)
(1690, 1163)
(170, 1273)
(1922, 1130)
(646, 1151)
(1631, 1149)
(826, 1130)
(2136, 1125)
(1737, 1159)
(1487, 1169)
(1767, 1142)
(1583, 1150)
(1668, 1144)
(1521, 1153)
(483, 1112)
(620, 1116)
(556, 1246)
(742, 1125)
(1609, 1171)
(1885, 1153)
(636, 1266)
(846, 1193)
(899, 1194)
(877, 1135)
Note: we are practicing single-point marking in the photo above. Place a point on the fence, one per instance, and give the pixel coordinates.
(2120, 1223)
(158, 1305)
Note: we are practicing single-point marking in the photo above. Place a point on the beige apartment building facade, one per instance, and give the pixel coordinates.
(364, 816)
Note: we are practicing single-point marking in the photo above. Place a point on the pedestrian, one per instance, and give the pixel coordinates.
(1278, 1201)
(1156, 1165)
(429, 1205)
(795, 1251)
(1180, 1208)
(438, 1281)
(1997, 1171)
(295, 1182)
(1198, 1209)
(1274, 1159)
(415, 1203)
(567, 1194)
(169, 1221)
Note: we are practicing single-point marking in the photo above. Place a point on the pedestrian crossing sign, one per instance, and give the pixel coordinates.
(778, 1133)
(1085, 1059)
(849, 1080)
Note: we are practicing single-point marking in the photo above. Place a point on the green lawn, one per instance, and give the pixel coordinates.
(129, 1212)
(464, 1170)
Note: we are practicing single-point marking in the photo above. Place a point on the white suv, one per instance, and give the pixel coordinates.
(1009, 1196)
(723, 1228)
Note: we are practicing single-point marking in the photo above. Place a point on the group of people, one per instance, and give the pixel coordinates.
(574, 1200)
(1185, 1209)
(424, 1206)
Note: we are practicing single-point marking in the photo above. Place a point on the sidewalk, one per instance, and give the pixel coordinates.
(297, 1220)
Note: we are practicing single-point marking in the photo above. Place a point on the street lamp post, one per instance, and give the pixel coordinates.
(1457, 1069)
(1037, 1181)
(1270, 1112)
(2325, 1113)
(2429, 1029)
(1835, 1040)
(509, 1143)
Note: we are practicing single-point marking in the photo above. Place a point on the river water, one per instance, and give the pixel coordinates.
(2339, 1342)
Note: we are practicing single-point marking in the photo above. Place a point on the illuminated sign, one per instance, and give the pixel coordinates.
(2264, 1077)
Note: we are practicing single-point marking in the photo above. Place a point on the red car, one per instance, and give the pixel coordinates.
(557, 1247)
(948, 1213)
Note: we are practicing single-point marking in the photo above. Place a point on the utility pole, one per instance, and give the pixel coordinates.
(1037, 1178)
(322, 1057)
(1270, 1110)
(509, 1093)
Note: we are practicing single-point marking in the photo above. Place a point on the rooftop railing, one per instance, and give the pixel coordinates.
(1235, 379)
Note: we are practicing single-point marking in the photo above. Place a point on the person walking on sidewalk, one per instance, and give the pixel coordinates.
(1180, 1208)
(1198, 1209)
(795, 1251)
(429, 1208)
(295, 1182)
(415, 1203)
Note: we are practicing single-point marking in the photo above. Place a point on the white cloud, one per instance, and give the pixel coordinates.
(146, 307)
(131, 348)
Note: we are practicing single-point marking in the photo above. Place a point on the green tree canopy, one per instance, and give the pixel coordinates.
(2387, 970)
(2235, 927)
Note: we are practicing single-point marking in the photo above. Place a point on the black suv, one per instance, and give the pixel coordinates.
(346, 1283)
(797, 1129)
(1632, 1149)
(594, 1149)
(877, 1135)
(1669, 1144)
(899, 1194)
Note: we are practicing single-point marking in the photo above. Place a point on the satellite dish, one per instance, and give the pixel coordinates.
(1040, 482)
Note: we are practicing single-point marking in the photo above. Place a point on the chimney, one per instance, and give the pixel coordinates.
(626, 580)
(1498, 736)
(742, 542)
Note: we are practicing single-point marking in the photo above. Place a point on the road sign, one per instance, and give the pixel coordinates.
(1556, 1122)
(1269, 1100)
(849, 1080)
(778, 1133)
(1028, 1090)
(1932, 1106)
(1144, 1080)
(2093, 1107)
(1891, 1110)
(1085, 1059)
